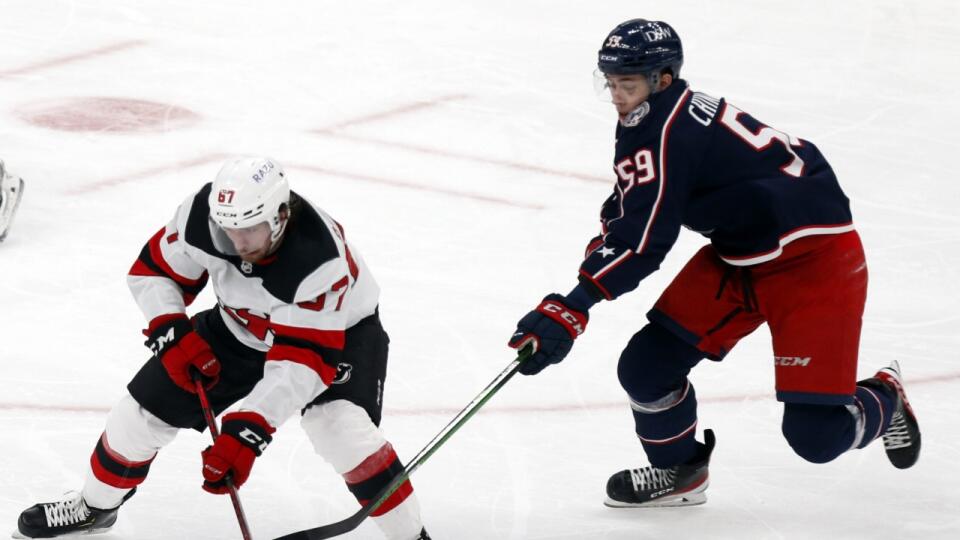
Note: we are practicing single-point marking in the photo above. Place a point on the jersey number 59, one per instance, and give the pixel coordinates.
(763, 138)
(636, 170)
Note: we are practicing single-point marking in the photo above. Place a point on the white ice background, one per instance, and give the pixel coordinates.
(462, 147)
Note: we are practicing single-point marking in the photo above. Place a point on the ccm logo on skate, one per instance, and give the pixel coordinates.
(660, 493)
(802, 361)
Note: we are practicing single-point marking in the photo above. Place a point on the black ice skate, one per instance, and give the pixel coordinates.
(683, 485)
(902, 438)
(68, 516)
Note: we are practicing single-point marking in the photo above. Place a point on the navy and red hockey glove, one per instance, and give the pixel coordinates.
(243, 437)
(550, 329)
(180, 349)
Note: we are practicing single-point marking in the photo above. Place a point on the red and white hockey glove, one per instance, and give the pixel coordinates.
(551, 329)
(180, 349)
(243, 437)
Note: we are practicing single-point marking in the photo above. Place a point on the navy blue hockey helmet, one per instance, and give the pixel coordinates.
(639, 46)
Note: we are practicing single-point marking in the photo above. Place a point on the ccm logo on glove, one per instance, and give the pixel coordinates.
(181, 349)
(244, 436)
(549, 330)
(573, 324)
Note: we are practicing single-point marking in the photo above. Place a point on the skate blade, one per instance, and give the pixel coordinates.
(19, 535)
(690, 499)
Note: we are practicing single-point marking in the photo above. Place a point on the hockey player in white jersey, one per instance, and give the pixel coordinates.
(11, 190)
(296, 327)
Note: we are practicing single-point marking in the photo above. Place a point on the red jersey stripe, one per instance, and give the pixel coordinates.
(333, 339)
(305, 357)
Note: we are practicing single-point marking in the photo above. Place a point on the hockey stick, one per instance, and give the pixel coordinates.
(354, 521)
(214, 432)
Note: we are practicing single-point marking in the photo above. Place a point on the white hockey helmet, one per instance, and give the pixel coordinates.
(247, 191)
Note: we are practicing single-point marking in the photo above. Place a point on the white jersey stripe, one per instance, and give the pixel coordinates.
(662, 171)
(612, 264)
(750, 260)
(680, 435)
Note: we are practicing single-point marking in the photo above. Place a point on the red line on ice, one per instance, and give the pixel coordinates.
(510, 409)
(62, 60)
(468, 157)
(146, 173)
(396, 111)
(335, 130)
(411, 185)
(201, 160)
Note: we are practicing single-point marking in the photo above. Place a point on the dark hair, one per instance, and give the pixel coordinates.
(294, 208)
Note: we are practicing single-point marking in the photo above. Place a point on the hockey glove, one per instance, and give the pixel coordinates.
(551, 329)
(243, 437)
(180, 349)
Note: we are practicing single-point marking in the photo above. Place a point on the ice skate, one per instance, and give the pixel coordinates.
(683, 485)
(902, 438)
(70, 516)
(11, 190)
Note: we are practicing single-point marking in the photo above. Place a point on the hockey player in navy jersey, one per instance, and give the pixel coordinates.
(782, 250)
(296, 327)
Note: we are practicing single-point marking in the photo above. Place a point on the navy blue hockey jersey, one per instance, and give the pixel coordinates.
(688, 159)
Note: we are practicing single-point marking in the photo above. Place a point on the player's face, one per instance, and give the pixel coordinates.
(252, 243)
(627, 91)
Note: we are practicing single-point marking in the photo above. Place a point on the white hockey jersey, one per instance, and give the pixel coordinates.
(295, 305)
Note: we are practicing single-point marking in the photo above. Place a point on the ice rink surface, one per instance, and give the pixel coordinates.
(463, 148)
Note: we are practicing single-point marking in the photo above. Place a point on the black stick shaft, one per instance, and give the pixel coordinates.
(352, 522)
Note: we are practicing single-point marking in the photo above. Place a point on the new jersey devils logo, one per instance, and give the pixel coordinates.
(343, 373)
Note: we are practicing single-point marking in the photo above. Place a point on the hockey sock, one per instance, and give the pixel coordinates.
(666, 427)
(373, 474)
(653, 370)
(399, 515)
(114, 470)
(820, 433)
(872, 409)
(122, 457)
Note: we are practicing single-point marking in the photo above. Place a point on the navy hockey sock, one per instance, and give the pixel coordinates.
(874, 407)
(820, 433)
(666, 427)
(653, 370)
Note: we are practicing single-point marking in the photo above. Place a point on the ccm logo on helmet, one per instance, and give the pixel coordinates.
(262, 172)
